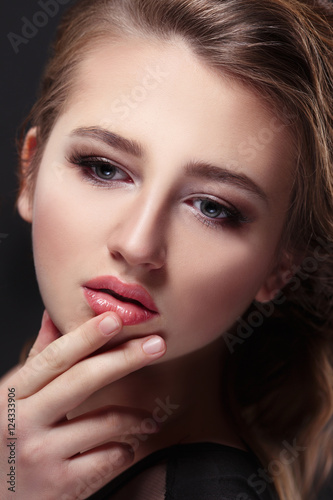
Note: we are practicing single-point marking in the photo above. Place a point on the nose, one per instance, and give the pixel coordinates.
(139, 237)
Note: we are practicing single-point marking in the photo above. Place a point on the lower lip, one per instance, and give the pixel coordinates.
(130, 314)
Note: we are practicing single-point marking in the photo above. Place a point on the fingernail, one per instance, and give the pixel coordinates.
(153, 345)
(108, 325)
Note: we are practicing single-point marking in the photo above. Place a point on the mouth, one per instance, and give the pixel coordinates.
(123, 299)
(130, 301)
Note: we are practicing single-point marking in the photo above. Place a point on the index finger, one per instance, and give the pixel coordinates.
(64, 352)
(47, 334)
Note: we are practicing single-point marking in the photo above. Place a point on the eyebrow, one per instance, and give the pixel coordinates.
(226, 176)
(197, 169)
(111, 139)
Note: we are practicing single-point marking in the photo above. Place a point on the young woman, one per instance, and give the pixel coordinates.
(178, 176)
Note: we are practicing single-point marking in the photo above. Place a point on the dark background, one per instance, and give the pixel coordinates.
(20, 304)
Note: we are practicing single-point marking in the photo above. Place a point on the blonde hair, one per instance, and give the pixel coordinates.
(283, 50)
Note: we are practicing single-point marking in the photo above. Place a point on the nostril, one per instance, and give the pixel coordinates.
(139, 243)
(147, 258)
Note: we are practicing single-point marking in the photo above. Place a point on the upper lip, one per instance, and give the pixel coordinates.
(131, 291)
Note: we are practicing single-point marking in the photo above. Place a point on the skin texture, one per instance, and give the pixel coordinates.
(49, 462)
(146, 226)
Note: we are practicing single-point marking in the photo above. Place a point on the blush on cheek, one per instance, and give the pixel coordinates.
(66, 239)
(49, 240)
(58, 215)
(221, 289)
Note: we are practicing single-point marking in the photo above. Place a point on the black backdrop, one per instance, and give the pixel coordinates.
(22, 62)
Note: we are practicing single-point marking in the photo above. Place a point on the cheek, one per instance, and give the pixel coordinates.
(216, 284)
(54, 229)
(61, 231)
(62, 222)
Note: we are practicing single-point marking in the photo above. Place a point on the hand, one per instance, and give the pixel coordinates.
(48, 457)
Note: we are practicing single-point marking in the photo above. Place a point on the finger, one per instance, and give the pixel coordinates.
(95, 468)
(64, 352)
(47, 334)
(74, 386)
(99, 427)
(6, 378)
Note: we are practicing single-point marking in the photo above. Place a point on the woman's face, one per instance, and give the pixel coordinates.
(162, 174)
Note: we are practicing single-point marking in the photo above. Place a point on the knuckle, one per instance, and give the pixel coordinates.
(129, 354)
(114, 457)
(88, 485)
(90, 371)
(112, 421)
(30, 368)
(32, 353)
(22, 377)
(32, 451)
(82, 377)
(121, 455)
(52, 358)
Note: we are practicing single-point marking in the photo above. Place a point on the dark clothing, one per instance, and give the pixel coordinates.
(194, 471)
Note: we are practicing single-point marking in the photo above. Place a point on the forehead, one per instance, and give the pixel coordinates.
(162, 95)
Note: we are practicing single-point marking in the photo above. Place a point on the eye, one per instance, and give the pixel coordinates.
(213, 213)
(98, 170)
(211, 208)
(214, 210)
(106, 171)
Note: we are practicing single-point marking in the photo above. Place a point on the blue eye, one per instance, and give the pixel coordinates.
(212, 213)
(97, 169)
(211, 209)
(106, 171)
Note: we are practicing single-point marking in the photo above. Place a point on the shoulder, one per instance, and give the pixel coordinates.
(215, 472)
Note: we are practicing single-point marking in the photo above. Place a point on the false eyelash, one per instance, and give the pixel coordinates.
(234, 217)
(85, 160)
(235, 220)
(79, 159)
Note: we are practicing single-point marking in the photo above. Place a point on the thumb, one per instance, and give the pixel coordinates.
(47, 334)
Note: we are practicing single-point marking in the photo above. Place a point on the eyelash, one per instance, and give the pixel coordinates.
(233, 217)
(89, 163)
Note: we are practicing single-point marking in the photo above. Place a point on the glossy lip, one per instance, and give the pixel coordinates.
(131, 313)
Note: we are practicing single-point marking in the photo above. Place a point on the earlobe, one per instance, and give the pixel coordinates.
(277, 279)
(24, 201)
(24, 205)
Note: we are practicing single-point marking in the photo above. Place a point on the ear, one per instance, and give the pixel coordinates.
(277, 279)
(24, 201)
